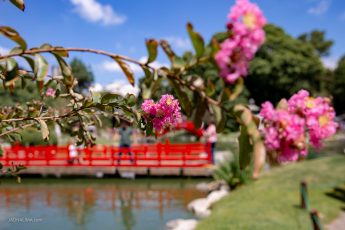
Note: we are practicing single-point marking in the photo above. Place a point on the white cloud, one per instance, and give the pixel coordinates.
(112, 66)
(4, 50)
(119, 87)
(96, 87)
(330, 62)
(321, 8)
(93, 11)
(178, 42)
(122, 88)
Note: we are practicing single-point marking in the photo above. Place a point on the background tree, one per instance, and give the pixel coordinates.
(20, 94)
(82, 73)
(338, 90)
(282, 66)
(318, 40)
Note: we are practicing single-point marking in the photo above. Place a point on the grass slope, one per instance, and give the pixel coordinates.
(272, 202)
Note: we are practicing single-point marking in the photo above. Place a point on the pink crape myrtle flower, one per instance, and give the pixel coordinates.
(50, 92)
(284, 132)
(246, 24)
(286, 129)
(164, 114)
(317, 112)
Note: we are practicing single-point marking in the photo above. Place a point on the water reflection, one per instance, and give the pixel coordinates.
(107, 204)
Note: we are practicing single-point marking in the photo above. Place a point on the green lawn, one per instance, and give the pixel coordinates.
(272, 202)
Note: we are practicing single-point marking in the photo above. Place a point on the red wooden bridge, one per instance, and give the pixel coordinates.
(160, 155)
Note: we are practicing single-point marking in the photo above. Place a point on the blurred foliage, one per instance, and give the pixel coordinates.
(20, 94)
(317, 39)
(32, 137)
(282, 66)
(338, 90)
(83, 74)
(231, 172)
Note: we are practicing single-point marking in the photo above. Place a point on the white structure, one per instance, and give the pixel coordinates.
(118, 87)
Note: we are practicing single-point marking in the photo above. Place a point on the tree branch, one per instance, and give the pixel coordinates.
(101, 52)
(16, 129)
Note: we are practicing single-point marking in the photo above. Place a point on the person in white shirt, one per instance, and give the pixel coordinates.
(73, 153)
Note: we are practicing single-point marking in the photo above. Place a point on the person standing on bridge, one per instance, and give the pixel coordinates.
(72, 152)
(211, 136)
(125, 133)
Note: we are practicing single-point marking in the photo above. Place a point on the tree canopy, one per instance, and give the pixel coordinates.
(338, 90)
(317, 39)
(282, 66)
(82, 73)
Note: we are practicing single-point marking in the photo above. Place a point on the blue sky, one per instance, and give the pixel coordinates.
(122, 26)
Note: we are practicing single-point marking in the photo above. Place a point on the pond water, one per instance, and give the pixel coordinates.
(95, 204)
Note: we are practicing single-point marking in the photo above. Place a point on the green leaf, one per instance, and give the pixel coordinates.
(131, 100)
(167, 49)
(41, 67)
(156, 85)
(199, 112)
(46, 46)
(178, 62)
(13, 35)
(44, 129)
(220, 37)
(16, 50)
(126, 70)
(11, 64)
(210, 88)
(110, 98)
(282, 104)
(148, 75)
(183, 97)
(149, 129)
(245, 148)
(30, 61)
(65, 68)
(237, 90)
(217, 112)
(197, 40)
(215, 46)
(152, 49)
(23, 82)
(61, 51)
(19, 4)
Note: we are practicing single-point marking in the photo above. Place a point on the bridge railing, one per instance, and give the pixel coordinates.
(146, 155)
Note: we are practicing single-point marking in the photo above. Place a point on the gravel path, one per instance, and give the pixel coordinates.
(339, 223)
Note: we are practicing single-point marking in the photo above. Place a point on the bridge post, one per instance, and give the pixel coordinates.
(89, 154)
(159, 153)
(209, 152)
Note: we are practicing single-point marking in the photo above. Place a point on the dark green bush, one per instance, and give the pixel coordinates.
(31, 137)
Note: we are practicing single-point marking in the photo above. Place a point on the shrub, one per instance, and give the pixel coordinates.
(31, 137)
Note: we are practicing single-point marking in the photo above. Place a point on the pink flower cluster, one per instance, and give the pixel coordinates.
(163, 114)
(50, 92)
(287, 129)
(247, 36)
(318, 113)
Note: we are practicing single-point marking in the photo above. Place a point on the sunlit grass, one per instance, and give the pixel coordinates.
(273, 201)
